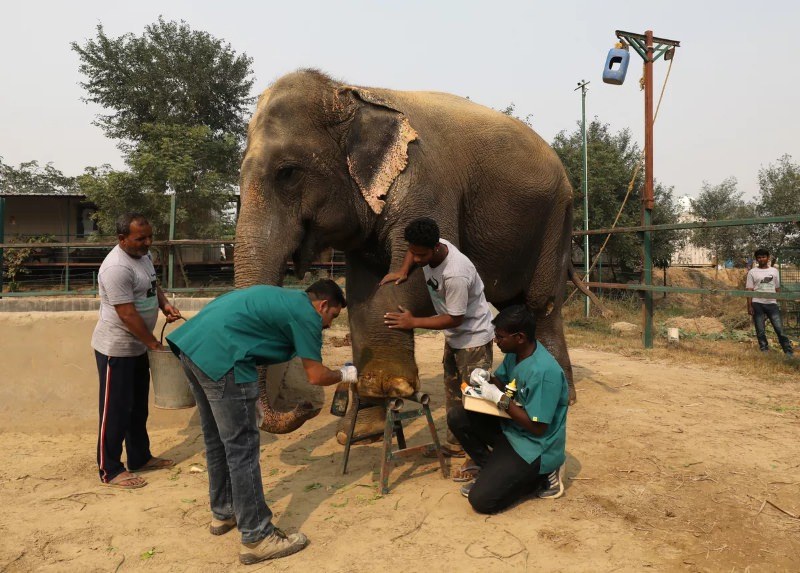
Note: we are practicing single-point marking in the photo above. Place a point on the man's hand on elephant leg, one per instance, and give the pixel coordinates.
(402, 320)
(396, 278)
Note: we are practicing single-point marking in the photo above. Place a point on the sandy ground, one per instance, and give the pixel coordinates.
(670, 468)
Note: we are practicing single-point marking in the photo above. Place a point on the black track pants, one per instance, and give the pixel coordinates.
(124, 392)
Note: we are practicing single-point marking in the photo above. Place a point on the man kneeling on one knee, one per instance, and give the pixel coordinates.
(523, 455)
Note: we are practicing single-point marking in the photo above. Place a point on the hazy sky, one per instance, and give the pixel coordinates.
(731, 104)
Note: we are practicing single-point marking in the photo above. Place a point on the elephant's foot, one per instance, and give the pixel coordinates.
(276, 422)
(369, 421)
(384, 379)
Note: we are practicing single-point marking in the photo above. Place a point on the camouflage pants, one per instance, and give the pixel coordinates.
(458, 365)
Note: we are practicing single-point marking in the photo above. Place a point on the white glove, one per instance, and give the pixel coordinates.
(478, 377)
(491, 392)
(349, 373)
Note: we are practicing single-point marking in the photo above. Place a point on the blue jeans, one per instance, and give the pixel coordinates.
(761, 312)
(228, 419)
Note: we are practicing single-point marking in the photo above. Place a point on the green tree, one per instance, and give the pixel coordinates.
(170, 74)
(509, 111)
(716, 203)
(779, 194)
(178, 100)
(30, 177)
(612, 160)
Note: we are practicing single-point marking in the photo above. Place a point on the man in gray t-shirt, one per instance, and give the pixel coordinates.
(129, 302)
(463, 313)
(765, 280)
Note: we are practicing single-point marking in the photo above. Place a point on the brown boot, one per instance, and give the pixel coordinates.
(276, 544)
(221, 526)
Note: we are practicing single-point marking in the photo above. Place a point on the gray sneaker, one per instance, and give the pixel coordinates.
(276, 544)
(466, 488)
(555, 485)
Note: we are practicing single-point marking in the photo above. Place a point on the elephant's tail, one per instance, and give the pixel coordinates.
(576, 280)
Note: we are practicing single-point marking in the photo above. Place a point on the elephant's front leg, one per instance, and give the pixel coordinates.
(384, 357)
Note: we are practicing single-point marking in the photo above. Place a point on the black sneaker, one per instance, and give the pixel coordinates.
(555, 485)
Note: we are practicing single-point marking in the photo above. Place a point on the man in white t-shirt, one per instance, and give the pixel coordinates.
(129, 302)
(765, 280)
(456, 291)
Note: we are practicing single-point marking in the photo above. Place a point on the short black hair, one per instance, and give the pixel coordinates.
(761, 252)
(423, 232)
(516, 318)
(124, 222)
(326, 289)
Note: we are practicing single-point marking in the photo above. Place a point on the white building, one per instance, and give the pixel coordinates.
(690, 254)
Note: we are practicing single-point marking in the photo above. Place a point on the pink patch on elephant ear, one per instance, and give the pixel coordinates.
(378, 152)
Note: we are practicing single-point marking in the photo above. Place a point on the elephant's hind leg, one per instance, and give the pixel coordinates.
(550, 332)
(545, 295)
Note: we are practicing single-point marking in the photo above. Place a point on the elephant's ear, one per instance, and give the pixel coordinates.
(376, 144)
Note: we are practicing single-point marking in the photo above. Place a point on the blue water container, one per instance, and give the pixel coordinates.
(616, 66)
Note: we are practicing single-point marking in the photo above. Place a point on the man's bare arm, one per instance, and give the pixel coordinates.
(169, 311)
(400, 275)
(520, 416)
(133, 320)
(320, 375)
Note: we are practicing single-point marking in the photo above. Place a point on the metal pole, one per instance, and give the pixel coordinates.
(2, 239)
(587, 302)
(66, 270)
(647, 196)
(171, 262)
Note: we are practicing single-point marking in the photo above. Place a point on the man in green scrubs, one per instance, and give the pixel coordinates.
(528, 450)
(220, 349)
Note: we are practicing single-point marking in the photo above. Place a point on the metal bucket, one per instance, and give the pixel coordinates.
(170, 386)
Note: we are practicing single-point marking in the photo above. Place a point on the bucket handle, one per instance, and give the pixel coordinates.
(165, 326)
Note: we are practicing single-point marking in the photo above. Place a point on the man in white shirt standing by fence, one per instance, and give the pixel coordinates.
(765, 279)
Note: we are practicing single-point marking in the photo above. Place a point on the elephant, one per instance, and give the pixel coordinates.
(328, 164)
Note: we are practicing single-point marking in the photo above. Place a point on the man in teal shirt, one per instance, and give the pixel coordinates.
(528, 450)
(220, 349)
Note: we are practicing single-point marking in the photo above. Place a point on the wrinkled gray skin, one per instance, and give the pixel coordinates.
(333, 165)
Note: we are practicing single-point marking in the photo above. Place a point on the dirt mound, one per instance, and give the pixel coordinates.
(699, 325)
(706, 278)
(626, 328)
(702, 277)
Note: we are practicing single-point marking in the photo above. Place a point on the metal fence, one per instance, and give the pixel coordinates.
(647, 288)
(202, 266)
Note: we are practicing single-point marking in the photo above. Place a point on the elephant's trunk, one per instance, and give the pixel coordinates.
(277, 422)
(263, 246)
(263, 241)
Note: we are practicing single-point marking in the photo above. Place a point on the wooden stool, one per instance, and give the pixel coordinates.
(393, 426)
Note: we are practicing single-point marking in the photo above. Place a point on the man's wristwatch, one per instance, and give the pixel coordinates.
(504, 403)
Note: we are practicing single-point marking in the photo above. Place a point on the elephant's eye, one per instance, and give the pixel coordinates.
(288, 175)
